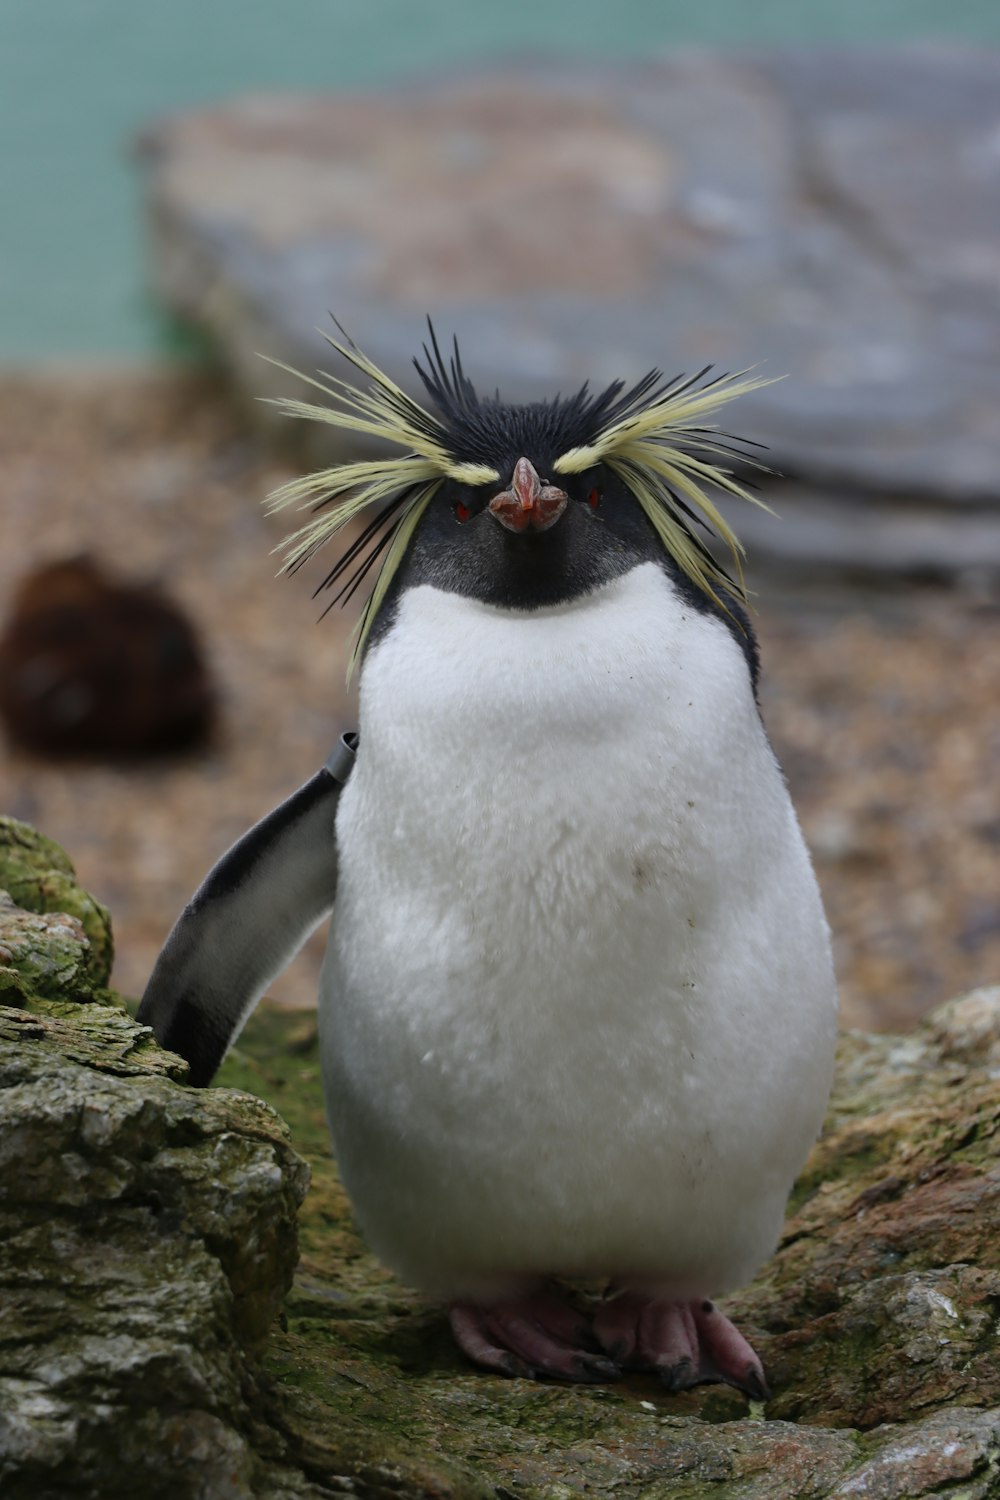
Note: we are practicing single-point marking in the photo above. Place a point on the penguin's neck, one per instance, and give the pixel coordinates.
(484, 561)
(575, 568)
(624, 654)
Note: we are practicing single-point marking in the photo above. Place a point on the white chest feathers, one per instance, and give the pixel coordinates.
(578, 1009)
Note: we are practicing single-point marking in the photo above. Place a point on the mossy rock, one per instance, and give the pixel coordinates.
(147, 1239)
(40, 878)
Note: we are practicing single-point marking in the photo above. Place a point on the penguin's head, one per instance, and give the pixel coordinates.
(520, 506)
(529, 536)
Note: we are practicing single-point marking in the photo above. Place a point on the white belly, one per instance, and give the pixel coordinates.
(578, 1009)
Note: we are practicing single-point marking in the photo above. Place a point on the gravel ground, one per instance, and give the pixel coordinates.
(883, 707)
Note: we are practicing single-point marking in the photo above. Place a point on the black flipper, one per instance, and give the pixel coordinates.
(246, 921)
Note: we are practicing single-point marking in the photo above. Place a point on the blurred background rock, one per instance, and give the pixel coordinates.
(577, 191)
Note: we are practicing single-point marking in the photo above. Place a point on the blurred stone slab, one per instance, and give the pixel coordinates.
(867, 532)
(834, 215)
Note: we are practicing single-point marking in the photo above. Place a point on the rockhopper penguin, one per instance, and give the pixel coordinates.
(577, 1014)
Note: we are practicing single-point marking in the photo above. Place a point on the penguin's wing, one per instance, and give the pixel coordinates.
(246, 921)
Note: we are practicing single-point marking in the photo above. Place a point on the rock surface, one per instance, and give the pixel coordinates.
(836, 215)
(147, 1232)
(876, 1318)
(36, 875)
(147, 1241)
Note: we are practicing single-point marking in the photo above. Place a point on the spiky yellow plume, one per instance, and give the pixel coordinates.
(653, 446)
(384, 412)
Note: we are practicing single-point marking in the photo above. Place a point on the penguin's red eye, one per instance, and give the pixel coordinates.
(462, 512)
(594, 499)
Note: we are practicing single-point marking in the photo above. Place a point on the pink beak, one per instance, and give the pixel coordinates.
(528, 502)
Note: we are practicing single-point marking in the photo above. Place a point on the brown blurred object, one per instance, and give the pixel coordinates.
(90, 665)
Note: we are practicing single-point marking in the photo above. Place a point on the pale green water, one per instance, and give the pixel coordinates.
(79, 77)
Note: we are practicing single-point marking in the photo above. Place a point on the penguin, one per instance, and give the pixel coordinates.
(578, 1012)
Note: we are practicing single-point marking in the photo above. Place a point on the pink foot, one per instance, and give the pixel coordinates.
(537, 1334)
(686, 1343)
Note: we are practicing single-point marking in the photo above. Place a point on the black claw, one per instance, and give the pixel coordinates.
(754, 1384)
(517, 1368)
(593, 1369)
(679, 1376)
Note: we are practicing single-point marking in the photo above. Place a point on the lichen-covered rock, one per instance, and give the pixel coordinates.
(39, 877)
(881, 1302)
(48, 955)
(147, 1239)
(147, 1235)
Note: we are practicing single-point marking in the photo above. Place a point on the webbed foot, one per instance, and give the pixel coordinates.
(532, 1335)
(686, 1342)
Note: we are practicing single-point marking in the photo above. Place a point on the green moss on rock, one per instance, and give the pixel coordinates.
(147, 1232)
(39, 877)
(49, 954)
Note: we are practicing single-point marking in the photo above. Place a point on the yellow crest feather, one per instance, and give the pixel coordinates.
(653, 449)
(385, 412)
